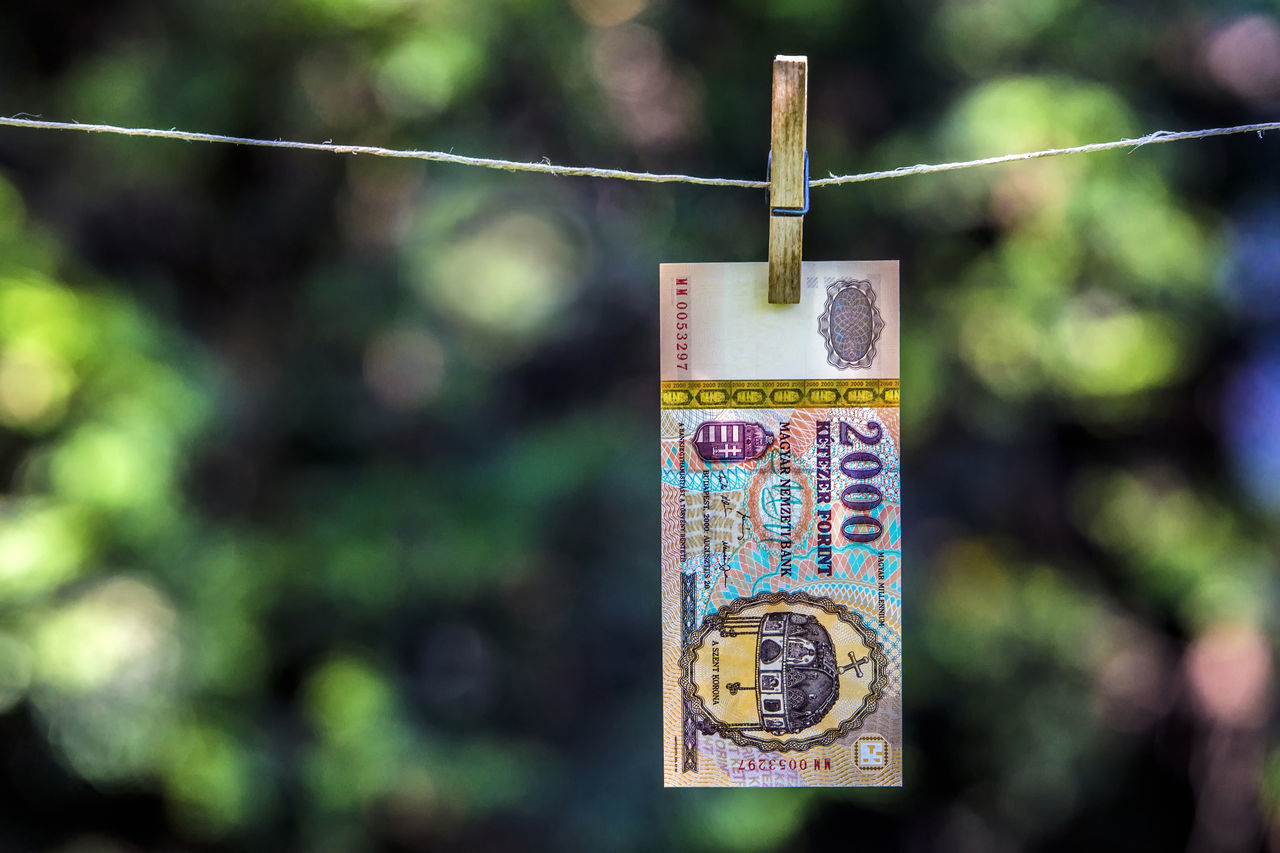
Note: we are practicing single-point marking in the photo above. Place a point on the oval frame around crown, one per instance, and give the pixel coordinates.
(696, 704)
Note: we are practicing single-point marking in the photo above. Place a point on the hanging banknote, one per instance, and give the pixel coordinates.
(781, 528)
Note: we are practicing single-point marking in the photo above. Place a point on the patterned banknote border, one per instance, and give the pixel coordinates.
(780, 394)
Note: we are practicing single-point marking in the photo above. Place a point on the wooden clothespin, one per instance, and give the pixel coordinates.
(788, 177)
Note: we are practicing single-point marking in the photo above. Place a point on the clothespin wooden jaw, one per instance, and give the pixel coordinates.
(788, 177)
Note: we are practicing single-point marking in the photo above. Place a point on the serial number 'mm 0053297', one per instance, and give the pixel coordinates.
(681, 335)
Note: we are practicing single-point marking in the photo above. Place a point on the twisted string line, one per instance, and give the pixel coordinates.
(548, 168)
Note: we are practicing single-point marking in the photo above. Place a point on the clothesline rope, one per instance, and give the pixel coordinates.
(548, 168)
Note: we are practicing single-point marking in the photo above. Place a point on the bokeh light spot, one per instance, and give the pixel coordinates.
(42, 545)
(112, 467)
(404, 368)
(427, 72)
(749, 820)
(1030, 113)
(208, 776)
(1252, 278)
(1243, 57)
(1229, 671)
(654, 104)
(1250, 412)
(608, 13)
(34, 387)
(38, 313)
(510, 275)
(120, 632)
(347, 698)
(980, 34)
(1112, 351)
(1002, 345)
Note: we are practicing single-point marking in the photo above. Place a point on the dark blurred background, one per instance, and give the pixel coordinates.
(329, 516)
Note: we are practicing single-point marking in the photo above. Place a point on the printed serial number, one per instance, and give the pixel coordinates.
(752, 765)
(682, 324)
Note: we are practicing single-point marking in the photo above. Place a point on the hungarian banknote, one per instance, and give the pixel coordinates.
(781, 528)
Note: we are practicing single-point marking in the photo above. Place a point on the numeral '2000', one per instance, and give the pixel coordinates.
(862, 498)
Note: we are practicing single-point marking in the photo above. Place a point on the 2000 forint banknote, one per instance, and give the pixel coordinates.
(781, 528)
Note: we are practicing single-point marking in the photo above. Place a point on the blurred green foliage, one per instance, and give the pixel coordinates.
(329, 519)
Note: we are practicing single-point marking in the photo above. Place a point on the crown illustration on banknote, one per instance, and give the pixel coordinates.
(783, 671)
(850, 324)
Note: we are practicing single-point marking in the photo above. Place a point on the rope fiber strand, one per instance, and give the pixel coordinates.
(548, 168)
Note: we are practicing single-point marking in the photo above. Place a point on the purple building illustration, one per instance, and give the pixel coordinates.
(731, 441)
